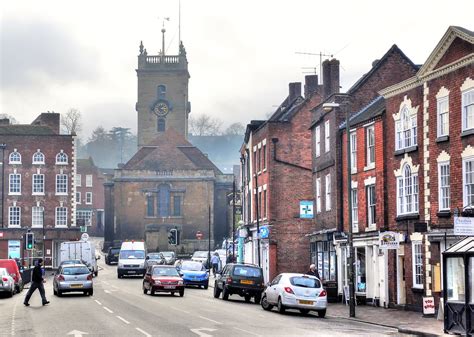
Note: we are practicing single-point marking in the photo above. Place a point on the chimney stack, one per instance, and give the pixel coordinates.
(295, 91)
(330, 77)
(50, 119)
(311, 85)
(4, 121)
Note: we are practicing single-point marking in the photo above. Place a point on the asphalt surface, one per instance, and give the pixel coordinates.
(119, 308)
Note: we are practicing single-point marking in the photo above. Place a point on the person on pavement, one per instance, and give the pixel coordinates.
(313, 271)
(37, 281)
(215, 263)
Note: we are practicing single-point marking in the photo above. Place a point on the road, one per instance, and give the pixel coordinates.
(119, 308)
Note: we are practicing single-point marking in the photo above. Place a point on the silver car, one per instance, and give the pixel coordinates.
(7, 284)
(73, 278)
(295, 291)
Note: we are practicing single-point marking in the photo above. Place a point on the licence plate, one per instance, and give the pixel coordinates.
(246, 282)
(305, 302)
(169, 287)
(131, 271)
(76, 285)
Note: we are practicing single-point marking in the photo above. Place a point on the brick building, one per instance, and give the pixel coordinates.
(90, 197)
(38, 166)
(327, 146)
(430, 160)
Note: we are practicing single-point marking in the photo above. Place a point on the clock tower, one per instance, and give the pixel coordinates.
(162, 101)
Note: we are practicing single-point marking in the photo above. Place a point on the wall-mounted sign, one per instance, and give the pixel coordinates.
(463, 226)
(264, 232)
(306, 209)
(14, 249)
(388, 240)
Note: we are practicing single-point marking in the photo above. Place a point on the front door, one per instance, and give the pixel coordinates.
(401, 290)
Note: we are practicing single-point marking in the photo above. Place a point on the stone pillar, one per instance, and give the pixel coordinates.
(109, 232)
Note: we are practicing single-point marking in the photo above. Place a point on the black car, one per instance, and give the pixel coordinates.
(112, 255)
(245, 280)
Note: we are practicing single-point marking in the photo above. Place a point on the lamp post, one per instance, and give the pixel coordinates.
(344, 106)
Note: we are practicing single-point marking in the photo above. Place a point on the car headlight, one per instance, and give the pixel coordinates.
(142, 265)
(180, 283)
(120, 265)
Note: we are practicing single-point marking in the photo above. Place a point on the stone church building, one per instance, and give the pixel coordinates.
(169, 183)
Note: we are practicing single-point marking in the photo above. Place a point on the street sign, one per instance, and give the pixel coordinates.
(306, 209)
(389, 240)
(463, 226)
(264, 232)
(85, 237)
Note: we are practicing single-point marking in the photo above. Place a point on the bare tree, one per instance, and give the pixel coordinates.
(235, 129)
(205, 125)
(71, 121)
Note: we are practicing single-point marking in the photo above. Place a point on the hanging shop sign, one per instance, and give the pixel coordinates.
(463, 226)
(306, 209)
(388, 240)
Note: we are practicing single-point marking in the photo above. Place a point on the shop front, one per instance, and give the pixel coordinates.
(323, 255)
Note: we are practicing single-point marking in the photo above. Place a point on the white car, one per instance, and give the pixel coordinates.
(7, 284)
(295, 291)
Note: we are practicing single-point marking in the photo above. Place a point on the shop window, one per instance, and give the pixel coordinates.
(455, 275)
(323, 255)
(360, 269)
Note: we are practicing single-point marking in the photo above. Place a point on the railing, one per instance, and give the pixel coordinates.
(162, 59)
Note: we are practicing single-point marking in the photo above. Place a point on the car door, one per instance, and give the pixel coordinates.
(272, 291)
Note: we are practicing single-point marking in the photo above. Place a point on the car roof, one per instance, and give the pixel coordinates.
(74, 265)
(162, 266)
(298, 274)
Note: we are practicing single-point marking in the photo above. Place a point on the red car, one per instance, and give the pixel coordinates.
(12, 268)
(160, 278)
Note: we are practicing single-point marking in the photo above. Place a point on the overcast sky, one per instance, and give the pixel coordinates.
(57, 55)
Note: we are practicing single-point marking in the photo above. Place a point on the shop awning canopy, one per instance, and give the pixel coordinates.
(464, 246)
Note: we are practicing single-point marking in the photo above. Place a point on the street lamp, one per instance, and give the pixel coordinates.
(344, 106)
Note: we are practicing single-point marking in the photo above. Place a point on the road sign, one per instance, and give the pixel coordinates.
(264, 232)
(199, 235)
(306, 209)
(84, 237)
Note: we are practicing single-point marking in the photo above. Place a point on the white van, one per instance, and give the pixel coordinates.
(131, 259)
(80, 250)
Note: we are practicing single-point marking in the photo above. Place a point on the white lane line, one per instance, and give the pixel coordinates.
(123, 320)
(107, 291)
(143, 332)
(107, 309)
(246, 331)
(98, 302)
(210, 320)
(186, 312)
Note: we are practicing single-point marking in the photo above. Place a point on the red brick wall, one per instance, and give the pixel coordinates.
(458, 49)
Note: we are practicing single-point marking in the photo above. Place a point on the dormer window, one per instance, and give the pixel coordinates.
(15, 157)
(38, 158)
(61, 158)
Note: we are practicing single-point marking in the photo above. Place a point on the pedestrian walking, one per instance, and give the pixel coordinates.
(37, 281)
(313, 271)
(215, 263)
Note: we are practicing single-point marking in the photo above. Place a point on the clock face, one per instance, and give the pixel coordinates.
(161, 109)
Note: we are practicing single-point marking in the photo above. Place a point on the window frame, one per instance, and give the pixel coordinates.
(466, 196)
(444, 189)
(78, 180)
(353, 147)
(89, 180)
(35, 184)
(18, 215)
(442, 122)
(318, 195)
(16, 156)
(17, 184)
(406, 130)
(57, 182)
(78, 200)
(62, 158)
(327, 136)
(417, 264)
(328, 192)
(408, 203)
(34, 159)
(38, 218)
(62, 217)
(370, 148)
(355, 209)
(317, 136)
(371, 200)
(88, 198)
(464, 106)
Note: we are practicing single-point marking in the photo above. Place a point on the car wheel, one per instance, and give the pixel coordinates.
(225, 294)
(144, 289)
(265, 305)
(119, 275)
(91, 292)
(206, 286)
(281, 308)
(181, 293)
(247, 298)
(60, 293)
(152, 292)
(258, 298)
(10, 294)
(172, 293)
(55, 292)
(322, 313)
(96, 273)
(217, 291)
(304, 311)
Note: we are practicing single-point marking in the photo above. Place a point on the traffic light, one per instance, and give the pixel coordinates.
(29, 241)
(173, 237)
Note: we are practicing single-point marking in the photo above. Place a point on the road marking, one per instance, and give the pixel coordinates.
(123, 320)
(202, 334)
(107, 291)
(210, 320)
(143, 332)
(246, 331)
(77, 333)
(107, 309)
(98, 302)
(186, 312)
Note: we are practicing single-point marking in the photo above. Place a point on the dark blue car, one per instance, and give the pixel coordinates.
(194, 273)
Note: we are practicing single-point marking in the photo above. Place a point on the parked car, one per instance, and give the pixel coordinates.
(154, 258)
(162, 279)
(170, 257)
(73, 278)
(112, 255)
(242, 279)
(201, 256)
(13, 269)
(194, 274)
(295, 291)
(7, 284)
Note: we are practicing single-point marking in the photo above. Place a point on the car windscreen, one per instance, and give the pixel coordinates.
(247, 271)
(154, 256)
(200, 254)
(132, 254)
(305, 282)
(75, 271)
(192, 266)
(115, 251)
(168, 254)
(165, 272)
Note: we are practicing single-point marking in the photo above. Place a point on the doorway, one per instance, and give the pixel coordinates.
(401, 289)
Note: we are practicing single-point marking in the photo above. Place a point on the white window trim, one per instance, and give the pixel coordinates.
(80, 196)
(440, 194)
(56, 217)
(370, 164)
(56, 183)
(318, 141)
(464, 194)
(42, 217)
(439, 101)
(19, 217)
(371, 225)
(463, 105)
(353, 156)
(402, 179)
(328, 192)
(33, 184)
(406, 108)
(10, 157)
(327, 136)
(413, 259)
(62, 155)
(78, 180)
(355, 202)
(318, 195)
(89, 193)
(87, 180)
(9, 184)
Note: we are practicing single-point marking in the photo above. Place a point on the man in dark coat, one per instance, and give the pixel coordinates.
(37, 281)
(313, 271)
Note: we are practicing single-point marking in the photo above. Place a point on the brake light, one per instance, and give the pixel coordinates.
(289, 290)
(4, 279)
(60, 278)
(229, 280)
(89, 277)
(323, 293)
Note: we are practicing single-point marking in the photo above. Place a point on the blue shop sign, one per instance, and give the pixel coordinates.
(264, 232)
(306, 209)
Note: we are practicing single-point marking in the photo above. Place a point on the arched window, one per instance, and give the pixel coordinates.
(61, 158)
(161, 125)
(38, 158)
(161, 91)
(15, 157)
(407, 192)
(163, 206)
(405, 129)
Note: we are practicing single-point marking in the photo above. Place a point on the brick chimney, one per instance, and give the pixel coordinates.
(330, 77)
(295, 91)
(50, 119)
(4, 121)
(311, 85)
